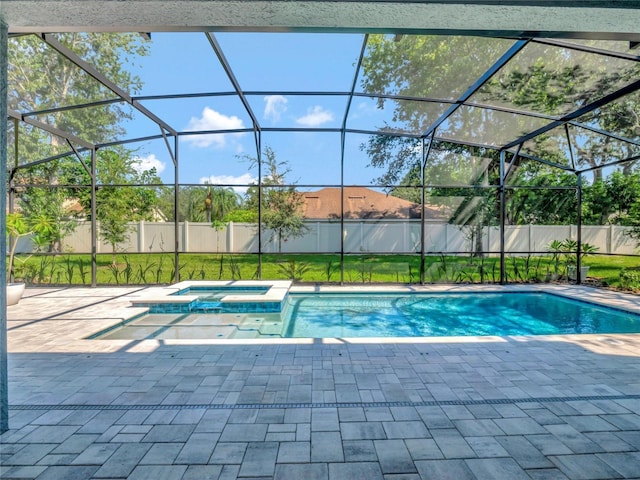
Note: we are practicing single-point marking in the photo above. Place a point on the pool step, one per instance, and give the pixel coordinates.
(271, 328)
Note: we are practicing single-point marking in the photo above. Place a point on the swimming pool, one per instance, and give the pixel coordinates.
(446, 314)
(351, 315)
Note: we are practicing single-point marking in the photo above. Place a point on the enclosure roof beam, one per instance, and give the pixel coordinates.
(586, 48)
(92, 71)
(176, 96)
(578, 113)
(215, 132)
(571, 155)
(50, 129)
(300, 93)
(169, 149)
(84, 149)
(540, 160)
(355, 82)
(66, 108)
(604, 133)
(634, 158)
(317, 130)
(497, 108)
(130, 140)
(42, 161)
(484, 78)
(234, 81)
(79, 157)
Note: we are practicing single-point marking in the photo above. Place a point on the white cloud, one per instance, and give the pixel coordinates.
(212, 120)
(275, 106)
(315, 117)
(244, 179)
(142, 164)
(363, 109)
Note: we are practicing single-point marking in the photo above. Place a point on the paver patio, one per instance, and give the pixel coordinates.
(487, 408)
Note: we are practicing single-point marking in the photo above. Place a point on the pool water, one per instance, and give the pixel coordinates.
(210, 294)
(350, 315)
(210, 299)
(446, 314)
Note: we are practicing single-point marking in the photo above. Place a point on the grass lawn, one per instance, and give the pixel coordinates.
(606, 268)
(149, 269)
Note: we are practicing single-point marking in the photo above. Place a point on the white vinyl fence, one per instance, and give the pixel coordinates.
(360, 236)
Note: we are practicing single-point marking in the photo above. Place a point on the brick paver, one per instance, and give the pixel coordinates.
(477, 408)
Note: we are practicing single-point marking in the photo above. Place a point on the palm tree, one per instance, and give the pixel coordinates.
(223, 200)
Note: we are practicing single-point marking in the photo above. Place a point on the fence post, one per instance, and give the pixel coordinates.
(610, 239)
(98, 240)
(141, 236)
(185, 236)
(446, 238)
(405, 236)
(230, 237)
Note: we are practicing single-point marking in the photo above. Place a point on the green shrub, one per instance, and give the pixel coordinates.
(630, 279)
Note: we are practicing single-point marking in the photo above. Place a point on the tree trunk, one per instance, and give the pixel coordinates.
(478, 251)
(597, 175)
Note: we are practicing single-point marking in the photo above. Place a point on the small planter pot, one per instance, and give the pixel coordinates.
(14, 293)
(571, 272)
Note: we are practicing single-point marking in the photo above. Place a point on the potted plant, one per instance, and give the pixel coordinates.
(570, 248)
(16, 227)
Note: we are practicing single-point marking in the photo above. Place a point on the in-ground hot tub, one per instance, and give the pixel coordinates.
(242, 296)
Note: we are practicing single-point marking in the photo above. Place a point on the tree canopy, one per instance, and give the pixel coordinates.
(281, 203)
(42, 79)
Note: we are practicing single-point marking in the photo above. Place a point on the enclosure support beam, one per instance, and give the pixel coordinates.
(10, 185)
(579, 247)
(423, 200)
(343, 136)
(4, 379)
(176, 198)
(259, 156)
(503, 199)
(571, 156)
(94, 222)
(16, 138)
(343, 139)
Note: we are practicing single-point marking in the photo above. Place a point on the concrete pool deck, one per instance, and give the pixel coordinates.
(394, 409)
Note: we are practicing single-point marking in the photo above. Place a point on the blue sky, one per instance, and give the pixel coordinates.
(186, 63)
